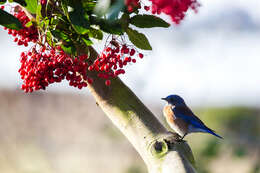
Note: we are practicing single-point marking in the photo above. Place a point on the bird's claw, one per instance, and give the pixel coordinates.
(175, 136)
(171, 136)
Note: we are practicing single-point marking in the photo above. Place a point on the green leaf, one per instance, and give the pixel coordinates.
(29, 24)
(95, 33)
(148, 21)
(2, 1)
(31, 6)
(60, 35)
(111, 27)
(89, 5)
(79, 19)
(138, 39)
(125, 20)
(64, 6)
(69, 49)
(88, 42)
(9, 21)
(38, 13)
(49, 39)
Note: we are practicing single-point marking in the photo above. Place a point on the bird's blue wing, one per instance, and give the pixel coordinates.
(196, 122)
(187, 115)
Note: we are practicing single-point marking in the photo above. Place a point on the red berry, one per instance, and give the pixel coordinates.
(140, 55)
(132, 52)
(147, 8)
(108, 82)
(90, 81)
(24, 35)
(127, 59)
(43, 2)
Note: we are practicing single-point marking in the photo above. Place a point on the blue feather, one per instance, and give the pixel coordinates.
(195, 122)
(213, 133)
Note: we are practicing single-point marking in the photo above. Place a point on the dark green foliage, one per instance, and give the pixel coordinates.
(31, 6)
(79, 18)
(9, 21)
(95, 33)
(148, 21)
(61, 35)
(138, 39)
(111, 27)
(73, 22)
(69, 48)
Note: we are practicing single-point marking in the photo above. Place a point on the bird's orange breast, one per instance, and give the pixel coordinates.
(168, 113)
(177, 124)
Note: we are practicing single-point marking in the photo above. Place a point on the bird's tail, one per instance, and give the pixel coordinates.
(213, 133)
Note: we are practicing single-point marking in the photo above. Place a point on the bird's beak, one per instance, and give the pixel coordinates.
(164, 99)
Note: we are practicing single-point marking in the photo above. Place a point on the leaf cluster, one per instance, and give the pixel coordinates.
(74, 22)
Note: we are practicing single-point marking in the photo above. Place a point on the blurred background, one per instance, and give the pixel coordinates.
(212, 59)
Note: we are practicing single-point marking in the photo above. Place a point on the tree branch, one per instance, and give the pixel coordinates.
(159, 149)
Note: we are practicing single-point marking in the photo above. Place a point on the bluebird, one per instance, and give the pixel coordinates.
(181, 119)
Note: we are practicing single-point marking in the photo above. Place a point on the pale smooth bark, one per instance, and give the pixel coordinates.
(158, 148)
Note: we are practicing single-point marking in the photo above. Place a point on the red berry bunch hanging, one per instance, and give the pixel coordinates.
(44, 64)
(39, 68)
(176, 9)
(26, 34)
(112, 60)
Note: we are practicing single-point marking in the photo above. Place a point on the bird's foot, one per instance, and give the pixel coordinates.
(181, 138)
(171, 136)
(176, 137)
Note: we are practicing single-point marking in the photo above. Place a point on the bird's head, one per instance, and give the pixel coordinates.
(174, 100)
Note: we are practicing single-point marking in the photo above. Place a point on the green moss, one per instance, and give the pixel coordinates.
(159, 149)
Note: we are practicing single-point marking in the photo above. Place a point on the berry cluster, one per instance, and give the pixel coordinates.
(39, 68)
(26, 34)
(176, 9)
(43, 64)
(111, 62)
